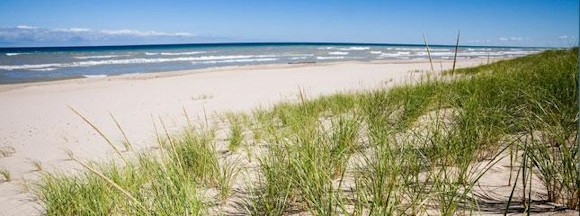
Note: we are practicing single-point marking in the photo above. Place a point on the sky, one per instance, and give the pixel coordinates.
(545, 23)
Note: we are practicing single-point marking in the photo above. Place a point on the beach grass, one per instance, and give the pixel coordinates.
(414, 149)
(236, 136)
(5, 173)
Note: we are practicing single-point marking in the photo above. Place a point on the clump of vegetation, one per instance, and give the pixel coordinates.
(236, 136)
(5, 174)
(165, 184)
(412, 149)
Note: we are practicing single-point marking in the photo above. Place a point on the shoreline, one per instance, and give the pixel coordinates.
(159, 74)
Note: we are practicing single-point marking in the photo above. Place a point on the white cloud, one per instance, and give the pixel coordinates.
(479, 41)
(512, 39)
(23, 35)
(126, 32)
(71, 30)
(130, 32)
(184, 34)
(79, 30)
(566, 37)
(509, 39)
(26, 27)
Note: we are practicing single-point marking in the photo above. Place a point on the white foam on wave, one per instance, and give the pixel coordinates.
(479, 53)
(438, 50)
(354, 48)
(519, 52)
(329, 57)
(435, 54)
(15, 54)
(130, 61)
(389, 55)
(237, 60)
(397, 54)
(28, 67)
(298, 58)
(337, 53)
(479, 49)
(376, 52)
(344, 48)
(44, 69)
(95, 76)
(232, 57)
(100, 57)
(298, 55)
(484, 54)
(175, 53)
(501, 53)
(409, 49)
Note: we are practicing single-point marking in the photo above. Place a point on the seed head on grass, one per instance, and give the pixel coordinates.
(69, 153)
(428, 53)
(456, 50)
(108, 180)
(37, 165)
(5, 173)
(126, 143)
(100, 133)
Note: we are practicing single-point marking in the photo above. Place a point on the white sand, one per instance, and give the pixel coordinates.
(38, 125)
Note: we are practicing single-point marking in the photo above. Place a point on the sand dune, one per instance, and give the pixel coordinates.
(38, 126)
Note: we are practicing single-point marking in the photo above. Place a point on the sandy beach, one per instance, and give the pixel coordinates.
(39, 127)
(289, 108)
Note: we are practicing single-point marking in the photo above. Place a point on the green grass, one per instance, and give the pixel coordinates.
(236, 136)
(412, 149)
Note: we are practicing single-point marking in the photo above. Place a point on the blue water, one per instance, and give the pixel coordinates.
(19, 65)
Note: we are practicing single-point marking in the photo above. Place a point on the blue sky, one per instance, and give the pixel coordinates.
(90, 22)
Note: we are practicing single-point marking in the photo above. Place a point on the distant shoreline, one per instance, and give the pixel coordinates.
(162, 46)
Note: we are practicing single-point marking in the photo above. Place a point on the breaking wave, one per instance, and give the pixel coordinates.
(95, 76)
(237, 61)
(15, 54)
(100, 57)
(175, 53)
(129, 61)
(337, 53)
(329, 57)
